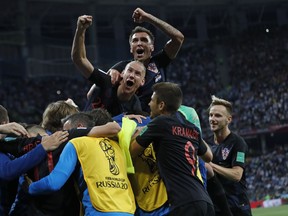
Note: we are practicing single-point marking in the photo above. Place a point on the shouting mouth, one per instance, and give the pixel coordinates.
(129, 83)
(140, 51)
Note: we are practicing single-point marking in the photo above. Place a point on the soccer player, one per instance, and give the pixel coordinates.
(177, 142)
(141, 42)
(118, 98)
(148, 186)
(229, 152)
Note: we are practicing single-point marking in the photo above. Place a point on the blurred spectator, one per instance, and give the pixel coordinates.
(258, 77)
(26, 99)
(268, 175)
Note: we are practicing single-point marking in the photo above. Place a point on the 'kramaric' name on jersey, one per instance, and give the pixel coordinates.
(186, 132)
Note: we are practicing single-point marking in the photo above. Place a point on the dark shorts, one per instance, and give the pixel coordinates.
(199, 208)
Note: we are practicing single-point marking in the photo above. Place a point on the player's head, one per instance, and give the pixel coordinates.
(100, 116)
(35, 130)
(133, 76)
(54, 113)
(166, 98)
(77, 120)
(220, 114)
(141, 42)
(4, 118)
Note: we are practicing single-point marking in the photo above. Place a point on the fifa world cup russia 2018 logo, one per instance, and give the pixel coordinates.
(109, 152)
(149, 157)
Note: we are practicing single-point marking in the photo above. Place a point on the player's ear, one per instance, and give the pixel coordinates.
(152, 47)
(161, 105)
(131, 50)
(121, 74)
(142, 82)
(229, 119)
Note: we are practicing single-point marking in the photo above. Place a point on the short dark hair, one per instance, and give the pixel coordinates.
(101, 116)
(4, 118)
(80, 118)
(170, 93)
(138, 29)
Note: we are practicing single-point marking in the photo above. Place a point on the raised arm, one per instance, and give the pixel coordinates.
(78, 53)
(176, 37)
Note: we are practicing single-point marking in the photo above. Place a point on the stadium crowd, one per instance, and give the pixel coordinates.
(26, 99)
(267, 175)
(257, 72)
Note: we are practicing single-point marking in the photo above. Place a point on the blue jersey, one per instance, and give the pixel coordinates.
(10, 169)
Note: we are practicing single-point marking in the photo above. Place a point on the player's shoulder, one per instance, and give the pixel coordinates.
(210, 140)
(234, 137)
(159, 55)
(161, 119)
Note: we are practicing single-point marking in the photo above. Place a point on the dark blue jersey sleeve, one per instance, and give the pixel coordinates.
(239, 152)
(151, 133)
(101, 79)
(60, 174)
(162, 59)
(18, 146)
(11, 169)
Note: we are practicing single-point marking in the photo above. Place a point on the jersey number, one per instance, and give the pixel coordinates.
(190, 156)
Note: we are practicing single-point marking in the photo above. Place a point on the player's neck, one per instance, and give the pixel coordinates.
(221, 135)
(146, 62)
(123, 96)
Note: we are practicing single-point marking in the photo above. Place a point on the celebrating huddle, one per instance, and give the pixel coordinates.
(134, 149)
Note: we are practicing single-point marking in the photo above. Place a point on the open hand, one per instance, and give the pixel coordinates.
(53, 141)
